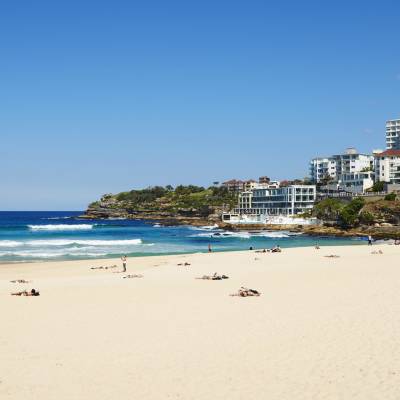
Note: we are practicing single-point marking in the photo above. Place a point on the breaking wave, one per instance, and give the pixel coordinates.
(246, 235)
(61, 227)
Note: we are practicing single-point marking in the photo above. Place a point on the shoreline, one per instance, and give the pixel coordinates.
(189, 253)
(378, 232)
(155, 258)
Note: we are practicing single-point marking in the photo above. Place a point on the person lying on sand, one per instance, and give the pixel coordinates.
(132, 276)
(245, 292)
(261, 251)
(276, 249)
(33, 292)
(20, 281)
(377, 252)
(110, 267)
(332, 256)
(214, 277)
(184, 264)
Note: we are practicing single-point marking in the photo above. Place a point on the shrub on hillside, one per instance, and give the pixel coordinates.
(390, 196)
(349, 214)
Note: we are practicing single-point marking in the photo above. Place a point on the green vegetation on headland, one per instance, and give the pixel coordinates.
(182, 202)
(380, 218)
(198, 206)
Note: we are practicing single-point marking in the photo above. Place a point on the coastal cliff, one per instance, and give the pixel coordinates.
(193, 205)
(183, 205)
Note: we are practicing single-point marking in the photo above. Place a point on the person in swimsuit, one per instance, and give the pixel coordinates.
(123, 258)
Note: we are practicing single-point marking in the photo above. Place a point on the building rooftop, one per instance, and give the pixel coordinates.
(232, 181)
(390, 152)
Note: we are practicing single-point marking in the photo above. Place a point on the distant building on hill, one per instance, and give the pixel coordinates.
(387, 166)
(264, 180)
(234, 185)
(351, 171)
(330, 168)
(393, 134)
(237, 185)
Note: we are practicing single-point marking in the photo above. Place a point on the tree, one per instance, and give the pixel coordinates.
(378, 186)
(349, 215)
(328, 209)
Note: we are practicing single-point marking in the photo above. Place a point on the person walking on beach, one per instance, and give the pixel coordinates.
(123, 258)
(369, 240)
(209, 248)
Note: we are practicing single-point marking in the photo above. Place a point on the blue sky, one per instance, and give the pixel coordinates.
(100, 97)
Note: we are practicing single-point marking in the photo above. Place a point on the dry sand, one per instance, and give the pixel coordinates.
(324, 328)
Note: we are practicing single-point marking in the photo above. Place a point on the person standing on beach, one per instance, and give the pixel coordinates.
(369, 240)
(123, 258)
(209, 248)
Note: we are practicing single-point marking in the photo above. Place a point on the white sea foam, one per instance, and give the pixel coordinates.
(68, 242)
(276, 235)
(205, 228)
(55, 218)
(9, 243)
(227, 234)
(246, 235)
(28, 254)
(60, 227)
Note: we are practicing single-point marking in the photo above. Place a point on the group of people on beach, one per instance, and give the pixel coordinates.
(275, 249)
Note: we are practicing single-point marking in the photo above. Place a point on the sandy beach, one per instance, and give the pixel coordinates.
(323, 328)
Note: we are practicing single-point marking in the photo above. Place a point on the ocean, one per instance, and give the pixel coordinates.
(61, 235)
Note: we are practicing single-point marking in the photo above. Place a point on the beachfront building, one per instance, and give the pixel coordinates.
(322, 168)
(393, 134)
(277, 201)
(331, 168)
(352, 162)
(234, 185)
(387, 166)
(358, 182)
(351, 172)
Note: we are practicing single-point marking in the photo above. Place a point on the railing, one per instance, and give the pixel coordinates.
(351, 194)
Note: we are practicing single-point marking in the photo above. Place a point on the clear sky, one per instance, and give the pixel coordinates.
(104, 96)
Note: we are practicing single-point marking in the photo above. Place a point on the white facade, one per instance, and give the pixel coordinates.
(281, 201)
(321, 168)
(387, 166)
(350, 171)
(393, 134)
(352, 162)
(358, 182)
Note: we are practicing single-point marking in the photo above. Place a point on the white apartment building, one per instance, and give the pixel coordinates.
(277, 201)
(393, 134)
(358, 182)
(351, 171)
(387, 166)
(322, 167)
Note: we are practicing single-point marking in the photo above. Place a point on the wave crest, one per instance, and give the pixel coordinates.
(60, 227)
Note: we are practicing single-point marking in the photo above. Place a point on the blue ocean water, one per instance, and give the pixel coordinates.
(61, 235)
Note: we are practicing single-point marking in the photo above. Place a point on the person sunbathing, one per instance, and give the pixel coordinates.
(132, 276)
(214, 277)
(261, 251)
(245, 292)
(110, 267)
(332, 256)
(276, 249)
(33, 292)
(20, 281)
(186, 264)
(377, 252)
